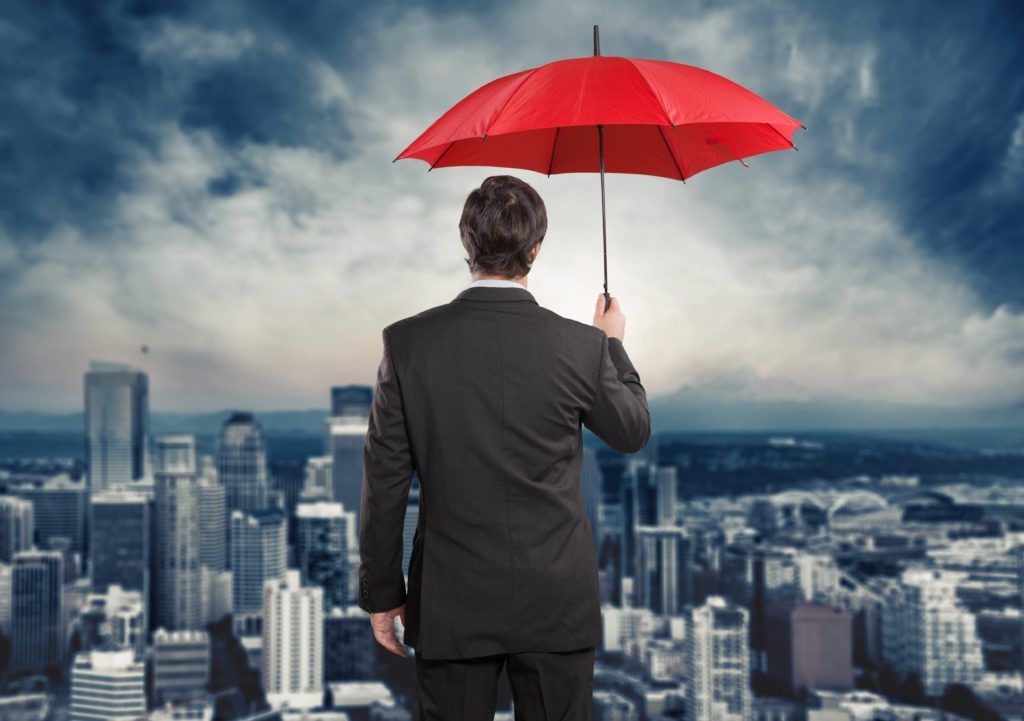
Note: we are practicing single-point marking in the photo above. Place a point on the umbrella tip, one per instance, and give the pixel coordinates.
(597, 40)
(803, 126)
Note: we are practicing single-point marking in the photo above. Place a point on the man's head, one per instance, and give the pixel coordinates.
(502, 222)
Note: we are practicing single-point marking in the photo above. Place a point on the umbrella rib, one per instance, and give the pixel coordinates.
(509, 100)
(783, 136)
(671, 154)
(551, 163)
(434, 164)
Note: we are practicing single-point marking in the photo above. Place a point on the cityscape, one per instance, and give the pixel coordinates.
(744, 577)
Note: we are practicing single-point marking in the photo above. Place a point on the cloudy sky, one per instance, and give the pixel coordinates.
(214, 180)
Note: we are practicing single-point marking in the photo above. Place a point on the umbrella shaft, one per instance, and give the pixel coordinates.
(604, 225)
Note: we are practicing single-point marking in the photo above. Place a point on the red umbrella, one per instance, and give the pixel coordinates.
(603, 113)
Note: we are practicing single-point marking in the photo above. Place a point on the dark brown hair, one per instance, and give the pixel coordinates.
(501, 222)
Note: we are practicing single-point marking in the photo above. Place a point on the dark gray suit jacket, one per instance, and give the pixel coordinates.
(485, 397)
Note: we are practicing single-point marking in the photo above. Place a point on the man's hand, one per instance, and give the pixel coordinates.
(383, 625)
(612, 322)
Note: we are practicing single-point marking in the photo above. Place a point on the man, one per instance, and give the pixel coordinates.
(485, 398)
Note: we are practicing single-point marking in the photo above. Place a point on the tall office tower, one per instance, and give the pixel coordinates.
(323, 550)
(213, 533)
(663, 570)
(119, 548)
(665, 486)
(178, 579)
(37, 621)
(217, 593)
(5, 599)
(590, 487)
(114, 618)
(1020, 590)
(181, 666)
(293, 643)
(16, 527)
(349, 646)
(259, 553)
(59, 510)
(925, 630)
(287, 479)
(776, 580)
(717, 663)
(346, 440)
(242, 463)
(351, 401)
(412, 520)
(319, 477)
(116, 424)
(108, 686)
(810, 647)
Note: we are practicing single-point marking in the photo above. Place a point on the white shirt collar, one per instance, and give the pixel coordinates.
(496, 283)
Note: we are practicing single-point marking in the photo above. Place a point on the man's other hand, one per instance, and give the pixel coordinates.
(612, 322)
(383, 625)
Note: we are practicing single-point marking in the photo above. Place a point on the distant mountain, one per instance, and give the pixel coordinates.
(740, 400)
(307, 422)
(743, 400)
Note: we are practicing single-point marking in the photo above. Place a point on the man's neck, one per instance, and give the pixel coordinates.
(479, 276)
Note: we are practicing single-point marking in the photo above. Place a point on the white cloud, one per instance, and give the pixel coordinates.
(267, 297)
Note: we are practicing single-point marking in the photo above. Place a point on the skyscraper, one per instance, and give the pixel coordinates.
(346, 437)
(259, 552)
(242, 463)
(178, 579)
(351, 401)
(120, 545)
(717, 663)
(590, 482)
(181, 665)
(926, 631)
(213, 533)
(664, 569)
(323, 549)
(59, 510)
(16, 527)
(108, 686)
(293, 650)
(116, 424)
(37, 621)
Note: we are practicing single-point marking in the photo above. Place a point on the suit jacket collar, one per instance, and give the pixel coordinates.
(496, 293)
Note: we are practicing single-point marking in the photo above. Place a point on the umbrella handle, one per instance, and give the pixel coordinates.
(607, 301)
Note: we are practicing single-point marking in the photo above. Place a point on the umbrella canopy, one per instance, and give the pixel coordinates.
(604, 113)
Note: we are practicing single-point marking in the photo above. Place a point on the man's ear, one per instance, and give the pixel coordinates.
(534, 251)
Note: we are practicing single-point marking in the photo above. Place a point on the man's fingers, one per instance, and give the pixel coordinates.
(390, 642)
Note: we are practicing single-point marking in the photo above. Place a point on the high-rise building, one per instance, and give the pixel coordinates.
(349, 646)
(717, 663)
(809, 647)
(181, 666)
(178, 578)
(5, 599)
(663, 569)
(119, 548)
(114, 618)
(59, 510)
(116, 424)
(346, 439)
(927, 632)
(16, 527)
(318, 477)
(293, 643)
(242, 463)
(259, 552)
(323, 549)
(351, 400)
(108, 686)
(590, 483)
(37, 621)
(213, 533)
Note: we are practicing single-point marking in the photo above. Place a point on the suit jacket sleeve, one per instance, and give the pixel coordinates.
(619, 415)
(387, 476)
